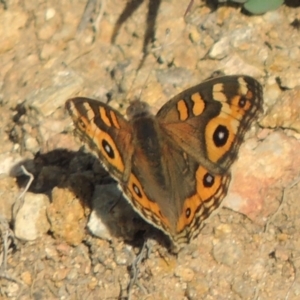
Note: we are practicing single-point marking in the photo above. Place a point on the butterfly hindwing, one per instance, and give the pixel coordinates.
(178, 205)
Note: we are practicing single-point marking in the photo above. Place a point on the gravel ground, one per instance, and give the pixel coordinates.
(71, 235)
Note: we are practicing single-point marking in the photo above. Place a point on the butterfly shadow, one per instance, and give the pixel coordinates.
(153, 8)
(129, 9)
(109, 214)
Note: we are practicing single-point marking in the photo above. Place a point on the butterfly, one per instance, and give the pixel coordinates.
(173, 167)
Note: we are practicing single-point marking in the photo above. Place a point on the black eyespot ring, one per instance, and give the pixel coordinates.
(242, 102)
(188, 213)
(137, 190)
(108, 149)
(220, 136)
(208, 180)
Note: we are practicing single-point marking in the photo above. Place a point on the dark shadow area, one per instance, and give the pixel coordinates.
(215, 4)
(153, 8)
(82, 173)
(296, 24)
(292, 3)
(149, 36)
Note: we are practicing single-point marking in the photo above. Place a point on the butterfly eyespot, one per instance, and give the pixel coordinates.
(220, 136)
(108, 149)
(242, 102)
(188, 213)
(81, 124)
(208, 180)
(137, 190)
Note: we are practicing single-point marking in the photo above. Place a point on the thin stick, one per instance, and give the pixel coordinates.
(135, 268)
(20, 200)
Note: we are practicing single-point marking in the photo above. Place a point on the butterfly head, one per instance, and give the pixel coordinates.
(138, 109)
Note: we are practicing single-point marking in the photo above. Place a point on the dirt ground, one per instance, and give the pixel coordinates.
(71, 235)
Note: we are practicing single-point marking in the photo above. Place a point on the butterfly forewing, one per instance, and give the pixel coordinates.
(217, 112)
(103, 129)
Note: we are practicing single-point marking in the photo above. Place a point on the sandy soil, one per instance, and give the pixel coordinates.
(50, 52)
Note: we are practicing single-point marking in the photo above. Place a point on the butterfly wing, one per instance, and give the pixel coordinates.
(106, 132)
(209, 120)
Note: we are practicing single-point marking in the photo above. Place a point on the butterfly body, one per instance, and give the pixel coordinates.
(173, 167)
